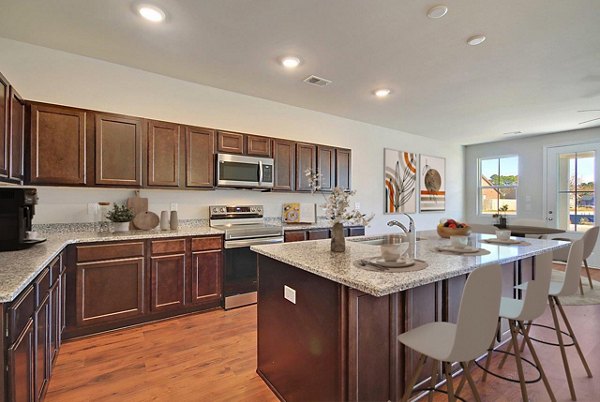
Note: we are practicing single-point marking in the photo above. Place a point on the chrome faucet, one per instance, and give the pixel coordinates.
(410, 233)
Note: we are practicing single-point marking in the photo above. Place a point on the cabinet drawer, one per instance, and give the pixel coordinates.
(296, 235)
(20, 311)
(42, 285)
(207, 243)
(110, 251)
(168, 246)
(317, 234)
(55, 269)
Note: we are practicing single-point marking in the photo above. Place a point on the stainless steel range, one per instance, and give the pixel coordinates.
(244, 226)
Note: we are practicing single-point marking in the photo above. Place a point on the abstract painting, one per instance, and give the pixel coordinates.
(400, 181)
(433, 183)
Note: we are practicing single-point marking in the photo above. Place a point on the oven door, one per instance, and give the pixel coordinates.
(244, 171)
(240, 276)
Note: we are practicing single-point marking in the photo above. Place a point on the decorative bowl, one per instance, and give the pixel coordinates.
(446, 232)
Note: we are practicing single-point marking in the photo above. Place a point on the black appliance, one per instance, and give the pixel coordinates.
(17, 207)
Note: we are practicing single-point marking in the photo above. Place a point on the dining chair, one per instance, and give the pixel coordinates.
(590, 237)
(461, 342)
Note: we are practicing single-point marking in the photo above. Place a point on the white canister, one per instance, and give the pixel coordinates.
(164, 220)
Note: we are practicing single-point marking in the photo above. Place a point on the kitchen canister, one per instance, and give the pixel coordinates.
(174, 220)
(164, 220)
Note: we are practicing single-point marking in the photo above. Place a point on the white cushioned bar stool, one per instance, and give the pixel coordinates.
(517, 312)
(590, 237)
(567, 287)
(468, 338)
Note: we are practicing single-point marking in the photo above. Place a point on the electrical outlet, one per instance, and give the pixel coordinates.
(92, 208)
(357, 205)
(289, 294)
(173, 206)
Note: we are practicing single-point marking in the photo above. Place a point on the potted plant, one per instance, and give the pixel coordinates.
(501, 216)
(120, 216)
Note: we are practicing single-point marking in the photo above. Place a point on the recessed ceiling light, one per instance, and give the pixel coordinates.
(151, 13)
(290, 62)
(476, 40)
(382, 92)
(437, 11)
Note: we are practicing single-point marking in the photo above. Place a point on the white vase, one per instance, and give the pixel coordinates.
(164, 220)
(120, 226)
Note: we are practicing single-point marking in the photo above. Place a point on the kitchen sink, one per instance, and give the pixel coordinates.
(377, 241)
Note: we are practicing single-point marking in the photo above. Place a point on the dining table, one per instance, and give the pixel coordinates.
(521, 231)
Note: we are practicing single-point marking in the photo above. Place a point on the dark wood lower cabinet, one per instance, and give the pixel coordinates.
(168, 280)
(21, 366)
(42, 347)
(316, 234)
(323, 233)
(207, 272)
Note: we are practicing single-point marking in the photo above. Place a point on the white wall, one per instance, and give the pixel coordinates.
(52, 76)
(530, 194)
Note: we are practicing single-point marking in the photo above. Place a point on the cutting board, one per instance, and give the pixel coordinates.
(138, 205)
(146, 220)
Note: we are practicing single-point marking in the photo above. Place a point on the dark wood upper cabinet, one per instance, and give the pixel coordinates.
(199, 156)
(118, 150)
(164, 148)
(4, 140)
(306, 158)
(343, 168)
(16, 136)
(284, 155)
(231, 143)
(58, 138)
(326, 166)
(258, 146)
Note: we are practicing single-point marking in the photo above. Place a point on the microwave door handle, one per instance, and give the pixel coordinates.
(260, 172)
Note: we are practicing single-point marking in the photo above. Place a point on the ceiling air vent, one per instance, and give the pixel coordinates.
(318, 81)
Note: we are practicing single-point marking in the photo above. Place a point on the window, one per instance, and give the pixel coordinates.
(498, 182)
(576, 207)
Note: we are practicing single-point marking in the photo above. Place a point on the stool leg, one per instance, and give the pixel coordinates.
(563, 352)
(413, 380)
(434, 371)
(580, 286)
(587, 270)
(537, 362)
(467, 374)
(449, 384)
(490, 350)
(568, 324)
(513, 333)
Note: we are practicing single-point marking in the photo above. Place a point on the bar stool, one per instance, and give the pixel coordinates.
(590, 237)
(519, 311)
(467, 339)
(567, 287)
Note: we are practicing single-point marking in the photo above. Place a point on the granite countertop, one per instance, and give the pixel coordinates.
(19, 268)
(315, 256)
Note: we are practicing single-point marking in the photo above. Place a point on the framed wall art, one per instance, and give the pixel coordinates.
(400, 175)
(432, 183)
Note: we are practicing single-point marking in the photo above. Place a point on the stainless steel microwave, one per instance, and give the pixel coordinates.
(244, 171)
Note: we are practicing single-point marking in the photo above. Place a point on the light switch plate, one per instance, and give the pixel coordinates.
(173, 206)
(357, 205)
(289, 294)
(92, 207)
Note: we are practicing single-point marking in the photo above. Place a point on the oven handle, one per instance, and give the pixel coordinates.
(260, 172)
(229, 244)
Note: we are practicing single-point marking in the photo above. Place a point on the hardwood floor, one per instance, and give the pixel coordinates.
(212, 357)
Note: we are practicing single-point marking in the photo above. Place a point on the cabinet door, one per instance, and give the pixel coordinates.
(199, 156)
(63, 304)
(306, 158)
(55, 312)
(231, 143)
(109, 290)
(57, 145)
(118, 150)
(207, 277)
(343, 161)
(258, 146)
(164, 144)
(326, 166)
(4, 112)
(17, 135)
(168, 282)
(21, 364)
(284, 155)
(42, 348)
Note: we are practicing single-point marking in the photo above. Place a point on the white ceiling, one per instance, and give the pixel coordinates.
(539, 65)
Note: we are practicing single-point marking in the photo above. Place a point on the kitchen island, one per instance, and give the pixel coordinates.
(327, 328)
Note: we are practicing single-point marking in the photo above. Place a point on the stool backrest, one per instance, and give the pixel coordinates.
(536, 296)
(573, 269)
(478, 313)
(589, 241)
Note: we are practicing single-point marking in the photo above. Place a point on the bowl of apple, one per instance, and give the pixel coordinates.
(450, 227)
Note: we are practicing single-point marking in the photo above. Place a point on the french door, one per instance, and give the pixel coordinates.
(571, 190)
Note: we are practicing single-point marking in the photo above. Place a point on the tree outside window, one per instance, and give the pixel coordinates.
(498, 183)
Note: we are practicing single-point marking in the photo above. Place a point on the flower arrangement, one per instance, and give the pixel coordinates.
(120, 214)
(501, 216)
